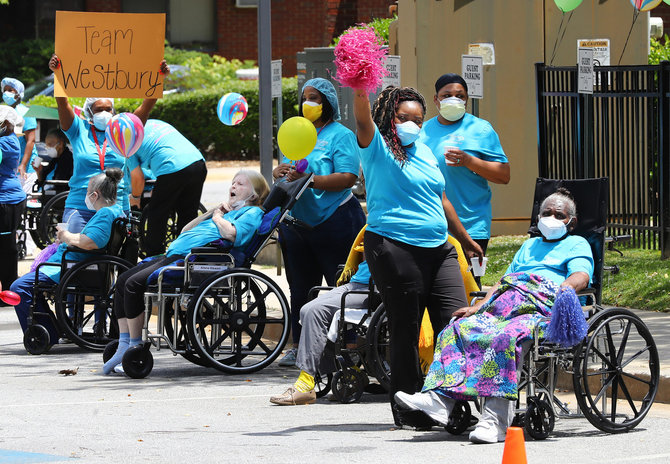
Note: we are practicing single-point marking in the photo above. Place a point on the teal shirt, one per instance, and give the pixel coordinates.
(164, 150)
(467, 191)
(404, 203)
(98, 229)
(553, 260)
(246, 220)
(28, 124)
(86, 164)
(362, 275)
(336, 150)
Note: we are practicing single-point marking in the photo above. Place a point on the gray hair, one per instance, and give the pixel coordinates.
(106, 184)
(562, 195)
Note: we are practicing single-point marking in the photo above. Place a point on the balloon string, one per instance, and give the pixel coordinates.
(636, 13)
(558, 34)
(559, 41)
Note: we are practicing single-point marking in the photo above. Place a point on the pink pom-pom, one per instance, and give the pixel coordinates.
(359, 59)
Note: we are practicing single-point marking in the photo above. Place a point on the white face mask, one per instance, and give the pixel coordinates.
(89, 204)
(452, 108)
(241, 203)
(552, 228)
(101, 119)
(51, 152)
(408, 132)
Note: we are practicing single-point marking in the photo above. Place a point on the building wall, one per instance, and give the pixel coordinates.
(296, 24)
(433, 34)
(109, 6)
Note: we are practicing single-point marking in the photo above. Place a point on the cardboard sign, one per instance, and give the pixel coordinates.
(109, 54)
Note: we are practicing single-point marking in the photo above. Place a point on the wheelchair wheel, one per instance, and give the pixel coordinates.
(617, 361)
(539, 418)
(171, 233)
(238, 321)
(322, 384)
(183, 340)
(460, 418)
(378, 340)
(348, 385)
(109, 350)
(36, 339)
(84, 300)
(138, 361)
(51, 215)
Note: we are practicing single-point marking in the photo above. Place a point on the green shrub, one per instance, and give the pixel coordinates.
(25, 60)
(381, 27)
(194, 115)
(659, 51)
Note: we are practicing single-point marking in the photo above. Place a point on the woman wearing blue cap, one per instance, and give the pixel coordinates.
(12, 94)
(90, 151)
(329, 208)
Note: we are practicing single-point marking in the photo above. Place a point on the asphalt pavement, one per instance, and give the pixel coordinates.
(186, 413)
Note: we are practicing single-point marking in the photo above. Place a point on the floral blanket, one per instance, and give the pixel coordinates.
(478, 355)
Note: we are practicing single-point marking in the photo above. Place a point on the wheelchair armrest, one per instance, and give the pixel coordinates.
(478, 294)
(95, 251)
(314, 291)
(209, 249)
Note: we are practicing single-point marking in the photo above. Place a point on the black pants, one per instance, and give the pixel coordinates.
(312, 255)
(179, 192)
(10, 218)
(131, 285)
(412, 278)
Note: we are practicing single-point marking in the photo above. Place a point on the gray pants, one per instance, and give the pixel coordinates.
(315, 318)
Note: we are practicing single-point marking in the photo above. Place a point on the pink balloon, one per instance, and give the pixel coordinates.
(125, 133)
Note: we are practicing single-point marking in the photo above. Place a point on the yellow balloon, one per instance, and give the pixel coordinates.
(296, 138)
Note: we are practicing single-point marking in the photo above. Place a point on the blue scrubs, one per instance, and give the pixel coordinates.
(404, 203)
(246, 220)
(336, 150)
(87, 165)
(553, 260)
(467, 191)
(164, 150)
(10, 186)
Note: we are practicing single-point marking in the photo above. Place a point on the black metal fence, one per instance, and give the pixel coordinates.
(621, 132)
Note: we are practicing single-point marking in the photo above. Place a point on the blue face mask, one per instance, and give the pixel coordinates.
(9, 98)
(408, 132)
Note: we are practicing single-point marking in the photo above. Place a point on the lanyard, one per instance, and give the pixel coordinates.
(321, 128)
(101, 152)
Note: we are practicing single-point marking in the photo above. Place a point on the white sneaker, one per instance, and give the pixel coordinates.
(497, 415)
(119, 369)
(487, 432)
(434, 405)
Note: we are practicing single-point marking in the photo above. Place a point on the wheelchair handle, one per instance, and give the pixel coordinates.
(297, 222)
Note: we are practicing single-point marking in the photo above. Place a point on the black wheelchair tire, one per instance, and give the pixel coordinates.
(377, 342)
(600, 325)
(109, 350)
(36, 339)
(138, 361)
(52, 214)
(348, 385)
(539, 419)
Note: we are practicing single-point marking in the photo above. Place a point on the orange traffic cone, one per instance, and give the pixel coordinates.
(515, 447)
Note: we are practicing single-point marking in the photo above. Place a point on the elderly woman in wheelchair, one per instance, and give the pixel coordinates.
(478, 354)
(101, 198)
(235, 221)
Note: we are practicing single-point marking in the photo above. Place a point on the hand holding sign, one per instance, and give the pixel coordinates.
(108, 53)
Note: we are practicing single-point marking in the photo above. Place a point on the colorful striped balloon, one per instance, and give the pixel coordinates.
(232, 109)
(125, 133)
(645, 5)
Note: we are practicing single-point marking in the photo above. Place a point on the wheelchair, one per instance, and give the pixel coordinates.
(357, 348)
(616, 362)
(83, 298)
(44, 209)
(213, 309)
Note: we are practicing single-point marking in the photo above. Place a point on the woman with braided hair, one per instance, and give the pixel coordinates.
(408, 217)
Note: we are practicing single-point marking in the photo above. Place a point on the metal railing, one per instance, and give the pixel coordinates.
(621, 132)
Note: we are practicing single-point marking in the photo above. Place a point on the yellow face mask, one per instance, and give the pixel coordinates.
(312, 110)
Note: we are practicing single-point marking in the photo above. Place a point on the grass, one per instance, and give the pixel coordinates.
(643, 281)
